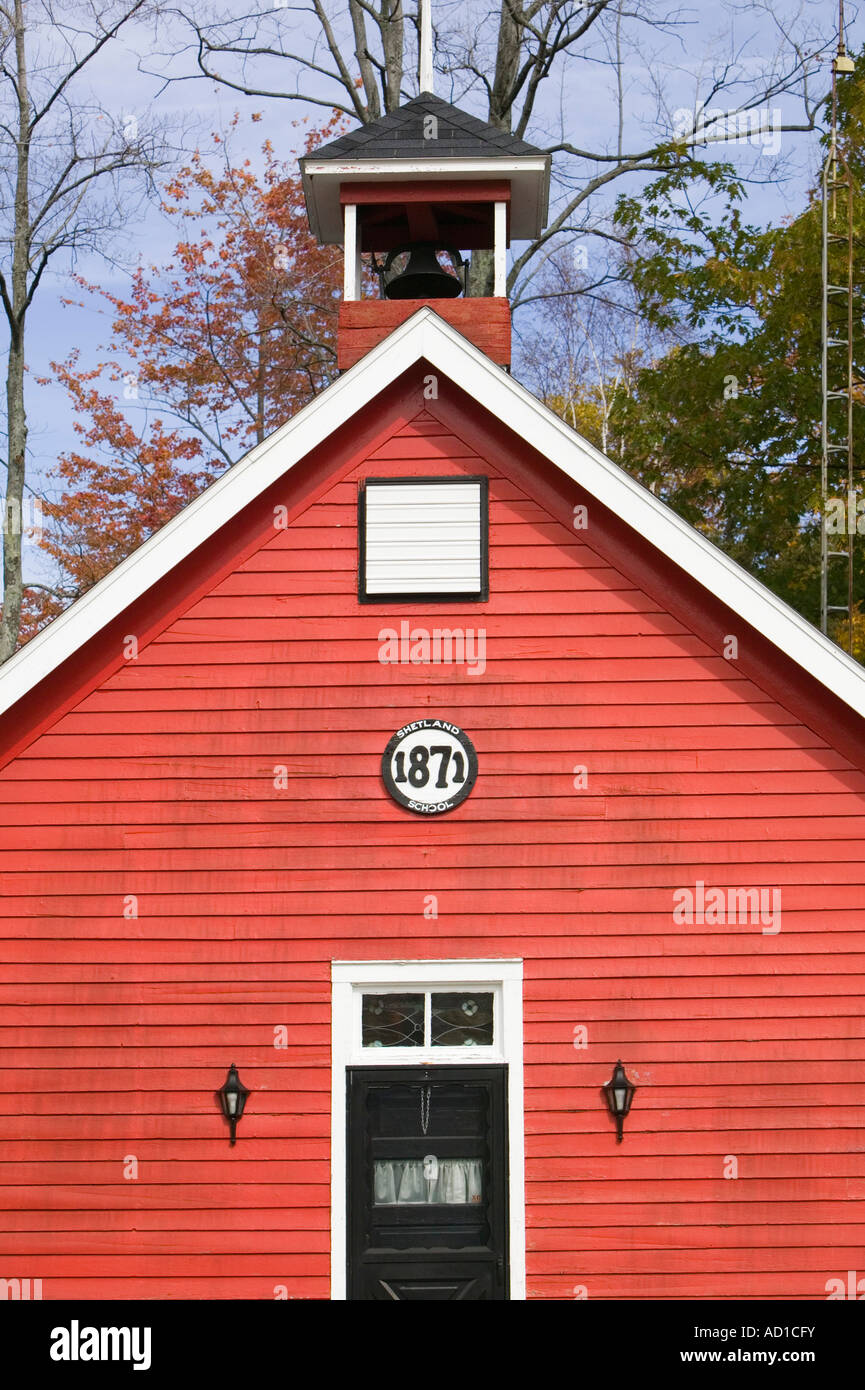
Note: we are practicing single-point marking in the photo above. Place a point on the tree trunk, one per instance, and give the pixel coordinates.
(261, 381)
(13, 513)
(507, 65)
(367, 71)
(392, 40)
(481, 278)
(13, 582)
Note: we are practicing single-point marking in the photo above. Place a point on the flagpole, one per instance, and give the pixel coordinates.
(426, 46)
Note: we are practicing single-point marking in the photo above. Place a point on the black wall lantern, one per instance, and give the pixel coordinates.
(619, 1092)
(232, 1098)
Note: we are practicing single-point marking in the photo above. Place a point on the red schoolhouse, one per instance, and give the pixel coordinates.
(420, 772)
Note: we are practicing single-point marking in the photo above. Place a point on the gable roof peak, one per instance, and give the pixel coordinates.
(401, 135)
(427, 337)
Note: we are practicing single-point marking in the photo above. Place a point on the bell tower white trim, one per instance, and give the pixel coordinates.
(351, 267)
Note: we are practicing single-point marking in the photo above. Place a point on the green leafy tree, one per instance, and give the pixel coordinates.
(725, 426)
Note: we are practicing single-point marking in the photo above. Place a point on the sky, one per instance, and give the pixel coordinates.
(578, 105)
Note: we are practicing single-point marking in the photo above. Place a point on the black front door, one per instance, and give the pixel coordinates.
(428, 1176)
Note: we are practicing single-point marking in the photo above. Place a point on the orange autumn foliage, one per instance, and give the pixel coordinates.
(208, 355)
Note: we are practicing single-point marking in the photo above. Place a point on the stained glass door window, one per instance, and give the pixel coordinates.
(460, 1018)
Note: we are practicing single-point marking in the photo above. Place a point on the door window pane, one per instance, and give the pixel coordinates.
(393, 1020)
(428, 1181)
(461, 1020)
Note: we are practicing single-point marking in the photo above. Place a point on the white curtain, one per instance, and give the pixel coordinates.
(401, 1181)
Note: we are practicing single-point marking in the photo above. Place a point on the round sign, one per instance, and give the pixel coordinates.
(429, 766)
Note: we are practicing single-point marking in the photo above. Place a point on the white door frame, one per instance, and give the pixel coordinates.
(350, 978)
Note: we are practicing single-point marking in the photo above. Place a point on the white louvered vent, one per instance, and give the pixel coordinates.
(425, 537)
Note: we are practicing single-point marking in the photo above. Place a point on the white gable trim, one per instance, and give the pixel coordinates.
(427, 336)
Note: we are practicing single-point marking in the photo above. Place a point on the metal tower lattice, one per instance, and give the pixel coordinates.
(838, 382)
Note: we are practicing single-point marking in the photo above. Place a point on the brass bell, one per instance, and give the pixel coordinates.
(423, 277)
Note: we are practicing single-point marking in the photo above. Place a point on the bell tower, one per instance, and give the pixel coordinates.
(420, 190)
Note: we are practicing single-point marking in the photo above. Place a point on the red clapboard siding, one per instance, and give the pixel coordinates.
(366, 322)
(156, 778)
